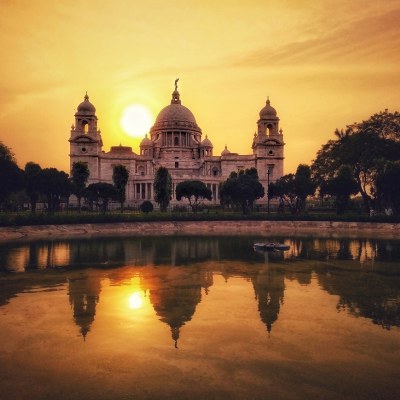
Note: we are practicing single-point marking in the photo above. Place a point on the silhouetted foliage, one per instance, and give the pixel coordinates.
(11, 176)
(162, 188)
(194, 191)
(342, 186)
(242, 189)
(388, 186)
(361, 146)
(303, 186)
(100, 191)
(120, 178)
(79, 177)
(146, 207)
(293, 190)
(55, 185)
(33, 183)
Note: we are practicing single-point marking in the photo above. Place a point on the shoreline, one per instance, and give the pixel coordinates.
(160, 228)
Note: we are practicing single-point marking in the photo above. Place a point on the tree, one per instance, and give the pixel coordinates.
(303, 186)
(146, 207)
(360, 146)
(120, 179)
(33, 183)
(11, 176)
(342, 186)
(162, 188)
(55, 185)
(194, 191)
(79, 177)
(100, 191)
(388, 188)
(284, 189)
(242, 189)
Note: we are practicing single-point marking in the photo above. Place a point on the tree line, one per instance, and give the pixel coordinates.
(54, 186)
(363, 159)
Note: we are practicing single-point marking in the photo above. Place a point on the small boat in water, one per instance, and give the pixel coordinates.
(271, 246)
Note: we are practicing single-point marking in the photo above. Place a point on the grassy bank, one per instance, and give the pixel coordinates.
(26, 218)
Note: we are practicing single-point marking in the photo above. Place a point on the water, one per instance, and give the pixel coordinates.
(200, 317)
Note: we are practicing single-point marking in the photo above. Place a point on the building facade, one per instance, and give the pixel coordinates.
(175, 142)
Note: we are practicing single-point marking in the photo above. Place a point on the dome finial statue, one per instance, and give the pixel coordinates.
(175, 94)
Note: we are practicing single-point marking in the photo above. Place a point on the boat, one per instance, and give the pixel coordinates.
(271, 246)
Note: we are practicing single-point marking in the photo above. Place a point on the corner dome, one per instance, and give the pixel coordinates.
(206, 142)
(268, 111)
(86, 106)
(146, 141)
(225, 152)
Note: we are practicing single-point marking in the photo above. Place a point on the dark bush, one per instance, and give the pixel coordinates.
(146, 207)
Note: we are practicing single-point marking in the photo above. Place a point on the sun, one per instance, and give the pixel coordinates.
(136, 120)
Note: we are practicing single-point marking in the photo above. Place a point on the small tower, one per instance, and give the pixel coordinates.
(206, 148)
(268, 124)
(85, 140)
(268, 145)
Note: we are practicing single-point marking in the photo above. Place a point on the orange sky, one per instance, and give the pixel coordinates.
(323, 63)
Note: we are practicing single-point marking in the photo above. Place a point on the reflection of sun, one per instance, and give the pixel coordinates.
(136, 120)
(136, 300)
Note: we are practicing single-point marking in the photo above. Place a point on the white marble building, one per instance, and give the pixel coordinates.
(177, 143)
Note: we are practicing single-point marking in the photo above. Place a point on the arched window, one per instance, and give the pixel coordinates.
(85, 126)
(270, 129)
(176, 141)
(215, 171)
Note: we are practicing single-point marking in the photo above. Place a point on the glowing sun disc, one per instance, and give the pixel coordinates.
(135, 300)
(136, 120)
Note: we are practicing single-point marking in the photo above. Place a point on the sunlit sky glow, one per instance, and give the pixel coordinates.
(324, 64)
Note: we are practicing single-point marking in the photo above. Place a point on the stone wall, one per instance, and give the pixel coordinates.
(259, 228)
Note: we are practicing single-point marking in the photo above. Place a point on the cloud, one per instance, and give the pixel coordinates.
(373, 40)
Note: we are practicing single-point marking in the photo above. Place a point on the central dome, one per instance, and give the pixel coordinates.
(175, 113)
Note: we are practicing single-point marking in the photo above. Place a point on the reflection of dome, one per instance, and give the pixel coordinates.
(225, 152)
(146, 141)
(86, 106)
(268, 111)
(206, 142)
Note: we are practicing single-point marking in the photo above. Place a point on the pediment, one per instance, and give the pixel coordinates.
(272, 142)
(83, 139)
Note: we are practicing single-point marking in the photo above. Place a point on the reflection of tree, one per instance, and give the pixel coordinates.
(98, 252)
(12, 286)
(84, 293)
(373, 296)
(344, 252)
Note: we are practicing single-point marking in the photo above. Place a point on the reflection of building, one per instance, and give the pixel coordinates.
(269, 287)
(84, 294)
(175, 293)
(176, 143)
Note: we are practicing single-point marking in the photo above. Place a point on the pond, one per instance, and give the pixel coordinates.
(200, 317)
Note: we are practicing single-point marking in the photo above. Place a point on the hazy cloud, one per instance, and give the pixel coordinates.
(371, 40)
